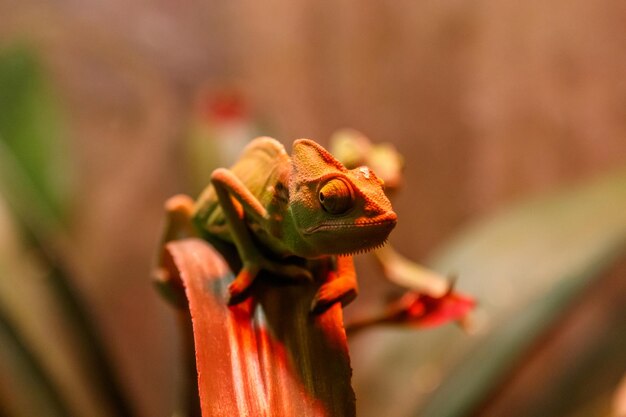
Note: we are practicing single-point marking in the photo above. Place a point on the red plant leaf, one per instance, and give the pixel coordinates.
(423, 310)
(420, 310)
(267, 356)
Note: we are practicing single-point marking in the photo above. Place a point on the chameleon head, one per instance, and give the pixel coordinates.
(335, 211)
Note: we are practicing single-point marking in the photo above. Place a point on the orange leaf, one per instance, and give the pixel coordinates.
(267, 356)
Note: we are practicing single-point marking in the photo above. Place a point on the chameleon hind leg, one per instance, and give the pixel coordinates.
(178, 225)
(229, 187)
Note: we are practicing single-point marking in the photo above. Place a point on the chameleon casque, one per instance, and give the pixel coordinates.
(294, 216)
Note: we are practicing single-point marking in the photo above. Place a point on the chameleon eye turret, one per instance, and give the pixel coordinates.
(336, 196)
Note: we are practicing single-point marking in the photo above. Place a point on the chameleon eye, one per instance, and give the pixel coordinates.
(336, 196)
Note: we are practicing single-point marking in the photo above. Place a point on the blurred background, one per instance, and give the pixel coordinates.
(511, 117)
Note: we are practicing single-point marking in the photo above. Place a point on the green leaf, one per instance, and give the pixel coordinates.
(34, 164)
(54, 333)
(53, 350)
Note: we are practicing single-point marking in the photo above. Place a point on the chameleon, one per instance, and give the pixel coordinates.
(293, 216)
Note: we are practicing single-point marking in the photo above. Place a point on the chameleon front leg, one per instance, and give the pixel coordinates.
(228, 186)
(340, 286)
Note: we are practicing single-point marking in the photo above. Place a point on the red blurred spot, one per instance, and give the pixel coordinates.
(222, 106)
(426, 311)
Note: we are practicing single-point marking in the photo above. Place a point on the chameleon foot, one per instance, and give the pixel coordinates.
(238, 289)
(331, 293)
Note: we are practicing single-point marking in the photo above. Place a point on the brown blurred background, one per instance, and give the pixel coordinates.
(489, 101)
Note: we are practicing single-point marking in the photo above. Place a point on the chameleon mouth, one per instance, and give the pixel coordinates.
(362, 225)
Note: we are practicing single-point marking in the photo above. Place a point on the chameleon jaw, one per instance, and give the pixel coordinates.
(363, 249)
(351, 238)
(384, 221)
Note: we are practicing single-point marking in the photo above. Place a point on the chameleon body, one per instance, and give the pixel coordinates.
(290, 214)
